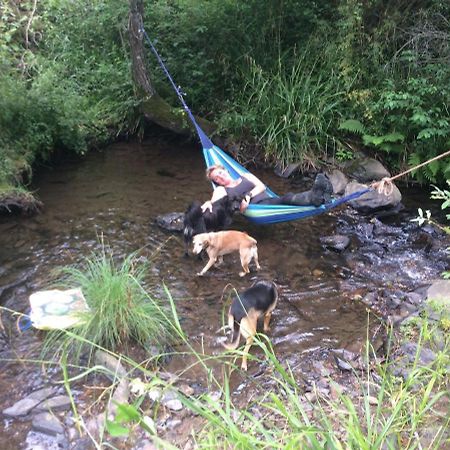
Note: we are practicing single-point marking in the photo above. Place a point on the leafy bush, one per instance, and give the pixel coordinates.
(75, 92)
(34, 121)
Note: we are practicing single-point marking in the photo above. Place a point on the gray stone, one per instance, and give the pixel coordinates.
(414, 298)
(111, 363)
(58, 403)
(367, 169)
(171, 424)
(42, 394)
(408, 307)
(21, 408)
(337, 242)
(338, 180)
(439, 292)
(171, 222)
(41, 441)
(47, 423)
(372, 200)
(343, 365)
(370, 298)
(170, 394)
(155, 394)
(174, 405)
(426, 356)
(120, 395)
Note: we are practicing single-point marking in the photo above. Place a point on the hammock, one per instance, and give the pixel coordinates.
(259, 214)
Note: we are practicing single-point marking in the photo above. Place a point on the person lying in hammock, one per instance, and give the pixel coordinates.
(254, 190)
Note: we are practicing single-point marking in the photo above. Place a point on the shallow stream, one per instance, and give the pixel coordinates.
(115, 195)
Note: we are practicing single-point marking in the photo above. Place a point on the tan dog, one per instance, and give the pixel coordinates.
(257, 301)
(224, 242)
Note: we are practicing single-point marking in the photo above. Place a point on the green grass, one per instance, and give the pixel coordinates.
(381, 411)
(122, 313)
(290, 112)
(387, 413)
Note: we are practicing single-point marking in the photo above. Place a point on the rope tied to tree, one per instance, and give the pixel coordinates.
(385, 186)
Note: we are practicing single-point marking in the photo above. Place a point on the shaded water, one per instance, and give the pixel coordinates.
(117, 193)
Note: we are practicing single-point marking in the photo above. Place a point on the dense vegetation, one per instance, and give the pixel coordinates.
(298, 79)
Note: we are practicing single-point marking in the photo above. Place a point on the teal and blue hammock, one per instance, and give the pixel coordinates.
(259, 214)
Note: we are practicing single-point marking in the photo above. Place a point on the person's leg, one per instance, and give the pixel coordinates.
(322, 188)
(320, 192)
(300, 199)
(271, 201)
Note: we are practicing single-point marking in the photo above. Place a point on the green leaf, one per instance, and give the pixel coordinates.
(352, 125)
(393, 137)
(127, 413)
(116, 430)
(372, 140)
(426, 133)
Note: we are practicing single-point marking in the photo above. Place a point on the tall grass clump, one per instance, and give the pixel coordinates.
(291, 110)
(121, 313)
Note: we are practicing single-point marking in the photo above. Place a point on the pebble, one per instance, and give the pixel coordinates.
(21, 408)
(47, 423)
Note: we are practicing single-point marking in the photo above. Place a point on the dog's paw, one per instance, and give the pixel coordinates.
(200, 274)
(244, 367)
(242, 274)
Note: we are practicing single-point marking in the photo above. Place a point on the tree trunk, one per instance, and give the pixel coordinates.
(153, 106)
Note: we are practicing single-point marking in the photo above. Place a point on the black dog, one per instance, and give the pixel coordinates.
(196, 221)
(257, 301)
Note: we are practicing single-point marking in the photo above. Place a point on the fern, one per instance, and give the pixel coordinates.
(393, 137)
(352, 125)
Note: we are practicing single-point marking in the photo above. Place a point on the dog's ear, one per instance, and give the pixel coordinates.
(205, 242)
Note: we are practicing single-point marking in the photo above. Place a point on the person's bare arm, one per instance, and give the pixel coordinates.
(218, 193)
(258, 189)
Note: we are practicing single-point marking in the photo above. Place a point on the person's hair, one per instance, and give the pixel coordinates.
(211, 169)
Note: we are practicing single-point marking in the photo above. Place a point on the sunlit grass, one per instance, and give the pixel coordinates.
(121, 312)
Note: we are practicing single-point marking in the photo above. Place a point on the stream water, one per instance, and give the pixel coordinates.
(116, 194)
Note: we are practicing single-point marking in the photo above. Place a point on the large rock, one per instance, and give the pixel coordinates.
(439, 292)
(372, 200)
(338, 180)
(367, 169)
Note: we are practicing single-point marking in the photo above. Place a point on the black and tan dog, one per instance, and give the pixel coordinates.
(257, 301)
(197, 221)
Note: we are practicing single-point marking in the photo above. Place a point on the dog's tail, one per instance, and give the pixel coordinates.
(236, 334)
